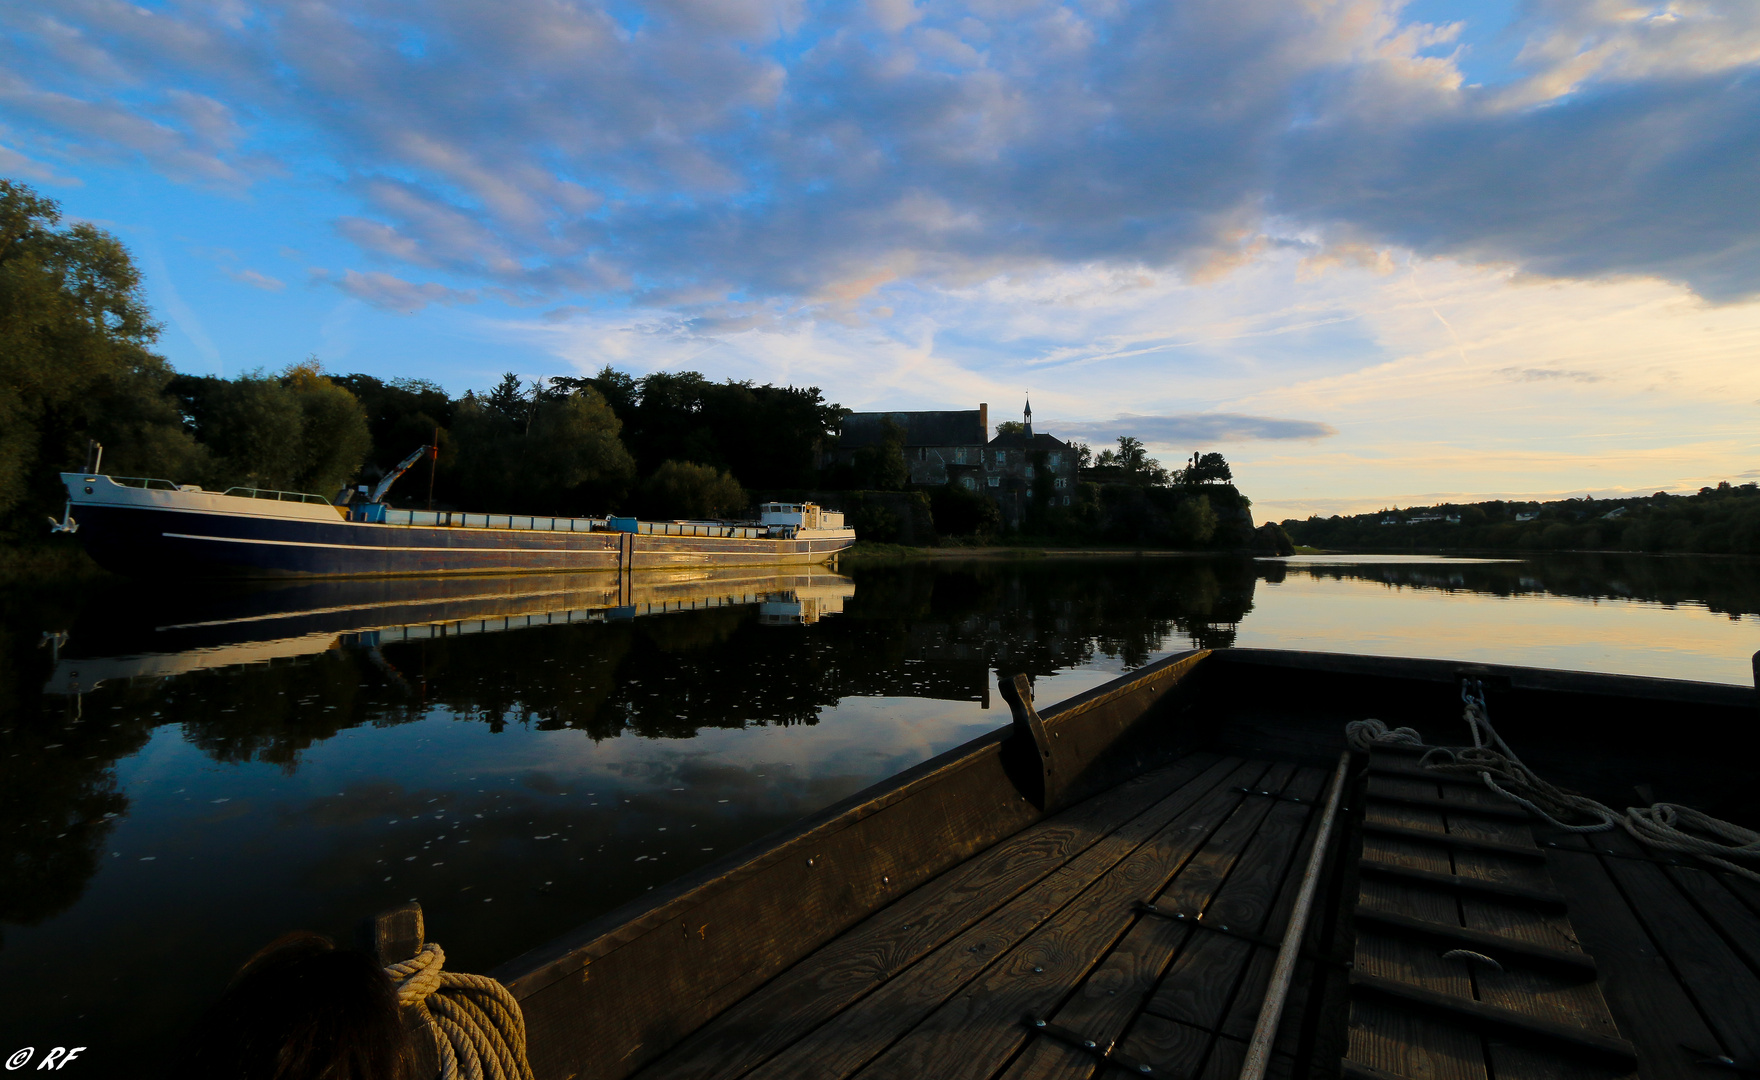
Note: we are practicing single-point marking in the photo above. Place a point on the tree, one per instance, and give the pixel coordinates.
(683, 489)
(1209, 468)
(75, 362)
(548, 454)
(1011, 427)
(882, 467)
(1194, 522)
(298, 431)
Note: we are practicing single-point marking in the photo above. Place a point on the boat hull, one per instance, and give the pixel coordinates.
(157, 541)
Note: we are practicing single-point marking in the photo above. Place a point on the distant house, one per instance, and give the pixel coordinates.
(1423, 519)
(1530, 516)
(1616, 512)
(954, 447)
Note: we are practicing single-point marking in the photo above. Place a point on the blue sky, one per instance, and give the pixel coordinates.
(1376, 253)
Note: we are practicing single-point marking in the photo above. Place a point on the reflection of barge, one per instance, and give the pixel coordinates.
(280, 623)
(155, 527)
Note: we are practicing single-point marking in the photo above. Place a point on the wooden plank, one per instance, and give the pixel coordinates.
(1394, 1039)
(982, 1027)
(1229, 890)
(1725, 989)
(1648, 1003)
(1414, 789)
(1547, 994)
(1199, 985)
(839, 973)
(1711, 893)
(1509, 1023)
(851, 1039)
(1374, 867)
(1456, 841)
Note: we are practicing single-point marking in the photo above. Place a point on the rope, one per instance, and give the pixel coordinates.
(1364, 734)
(1662, 825)
(478, 1028)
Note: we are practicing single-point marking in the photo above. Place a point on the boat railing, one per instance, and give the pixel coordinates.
(277, 496)
(703, 528)
(452, 519)
(152, 483)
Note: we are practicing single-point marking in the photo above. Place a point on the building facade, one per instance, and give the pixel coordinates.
(955, 447)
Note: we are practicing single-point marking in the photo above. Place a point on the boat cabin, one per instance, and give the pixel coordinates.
(800, 515)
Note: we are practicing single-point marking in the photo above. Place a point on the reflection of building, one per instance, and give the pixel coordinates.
(954, 447)
(263, 626)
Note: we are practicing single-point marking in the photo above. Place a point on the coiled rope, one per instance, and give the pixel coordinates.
(478, 1028)
(1664, 826)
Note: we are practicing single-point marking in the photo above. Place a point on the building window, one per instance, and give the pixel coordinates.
(1054, 461)
(1066, 500)
(996, 481)
(1029, 472)
(970, 483)
(1061, 482)
(959, 456)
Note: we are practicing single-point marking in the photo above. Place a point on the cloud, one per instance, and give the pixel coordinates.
(758, 149)
(1193, 429)
(256, 280)
(1519, 374)
(394, 294)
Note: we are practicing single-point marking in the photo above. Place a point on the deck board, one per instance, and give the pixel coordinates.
(1233, 881)
(878, 949)
(857, 1034)
(1395, 1039)
(982, 1029)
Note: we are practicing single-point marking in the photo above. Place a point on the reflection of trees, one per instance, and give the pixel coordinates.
(1729, 585)
(58, 800)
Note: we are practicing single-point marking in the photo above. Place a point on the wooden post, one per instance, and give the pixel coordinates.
(1031, 751)
(395, 935)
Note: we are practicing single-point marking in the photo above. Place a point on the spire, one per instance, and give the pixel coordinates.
(1028, 416)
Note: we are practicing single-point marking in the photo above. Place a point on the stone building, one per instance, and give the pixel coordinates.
(954, 447)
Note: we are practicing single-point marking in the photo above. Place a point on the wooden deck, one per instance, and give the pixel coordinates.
(1593, 960)
(1049, 925)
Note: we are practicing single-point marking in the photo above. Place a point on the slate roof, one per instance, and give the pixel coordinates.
(945, 428)
(1039, 441)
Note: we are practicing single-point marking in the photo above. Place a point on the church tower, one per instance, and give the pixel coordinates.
(1028, 416)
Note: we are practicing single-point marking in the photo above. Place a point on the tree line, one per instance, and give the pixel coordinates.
(1721, 520)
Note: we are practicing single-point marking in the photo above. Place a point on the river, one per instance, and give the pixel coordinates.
(191, 772)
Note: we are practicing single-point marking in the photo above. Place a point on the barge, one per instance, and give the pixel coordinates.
(1189, 873)
(152, 528)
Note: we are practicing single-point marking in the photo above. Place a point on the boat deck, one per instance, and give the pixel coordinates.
(1049, 925)
(1590, 958)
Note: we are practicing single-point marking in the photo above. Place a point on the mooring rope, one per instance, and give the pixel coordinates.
(478, 1028)
(1661, 825)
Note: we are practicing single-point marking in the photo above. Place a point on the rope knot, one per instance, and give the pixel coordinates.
(477, 1026)
(418, 976)
(1363, 734)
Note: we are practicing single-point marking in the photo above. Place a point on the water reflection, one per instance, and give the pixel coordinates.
(183, 774)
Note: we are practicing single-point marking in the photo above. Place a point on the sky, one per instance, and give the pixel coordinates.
(1375, 253)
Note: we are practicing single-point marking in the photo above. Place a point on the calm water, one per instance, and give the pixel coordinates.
(187, 776)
